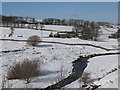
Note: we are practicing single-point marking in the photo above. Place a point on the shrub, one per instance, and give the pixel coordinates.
(24, 71)
(51, 35)
(14, 72)
(33, 40)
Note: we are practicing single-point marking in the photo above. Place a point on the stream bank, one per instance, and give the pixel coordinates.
(79, 66)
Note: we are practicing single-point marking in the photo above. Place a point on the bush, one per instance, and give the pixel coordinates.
(51, 35)
(33, 40)
(24, 71)
(84, 78)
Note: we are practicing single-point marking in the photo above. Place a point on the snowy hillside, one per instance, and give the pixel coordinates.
(58, 27)
(28, 32)
(101, 67)
(108, 31)
(56, 53)
(23, 34)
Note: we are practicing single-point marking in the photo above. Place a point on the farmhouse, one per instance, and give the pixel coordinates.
(66, 34)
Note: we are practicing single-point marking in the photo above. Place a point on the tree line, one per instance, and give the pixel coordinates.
(16, 21)
(82, 28)
(69, 22)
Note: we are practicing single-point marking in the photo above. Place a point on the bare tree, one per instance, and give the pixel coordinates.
(41, 26)
(12, 31)
(61, 73)
(83, 81)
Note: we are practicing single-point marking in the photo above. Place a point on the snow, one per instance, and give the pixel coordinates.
(111, 44)
(99, 67)
(29, 32)
(108, 31)
(58, 27)
(110, 81)
(25, 33)
(54, 56)
(111, 61)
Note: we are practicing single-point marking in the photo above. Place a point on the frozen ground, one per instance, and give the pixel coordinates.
(58, 27)
(23, 34)
(108, 31)
(99, 67)
(55, 56)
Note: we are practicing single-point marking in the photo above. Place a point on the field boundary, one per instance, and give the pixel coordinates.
(63, 44)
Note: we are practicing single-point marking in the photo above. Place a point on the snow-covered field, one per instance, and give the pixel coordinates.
(108, 30)
(54, 56)
(29, 32)
(25, 33)
(99, 67)
(58, 27)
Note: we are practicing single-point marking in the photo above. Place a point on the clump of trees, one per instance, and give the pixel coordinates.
(83, 29)
(16, 21)
(55, 21)
(25, 70)
(33, 40)
(87, 30)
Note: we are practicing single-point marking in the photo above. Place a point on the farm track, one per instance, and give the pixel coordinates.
(63, 44)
